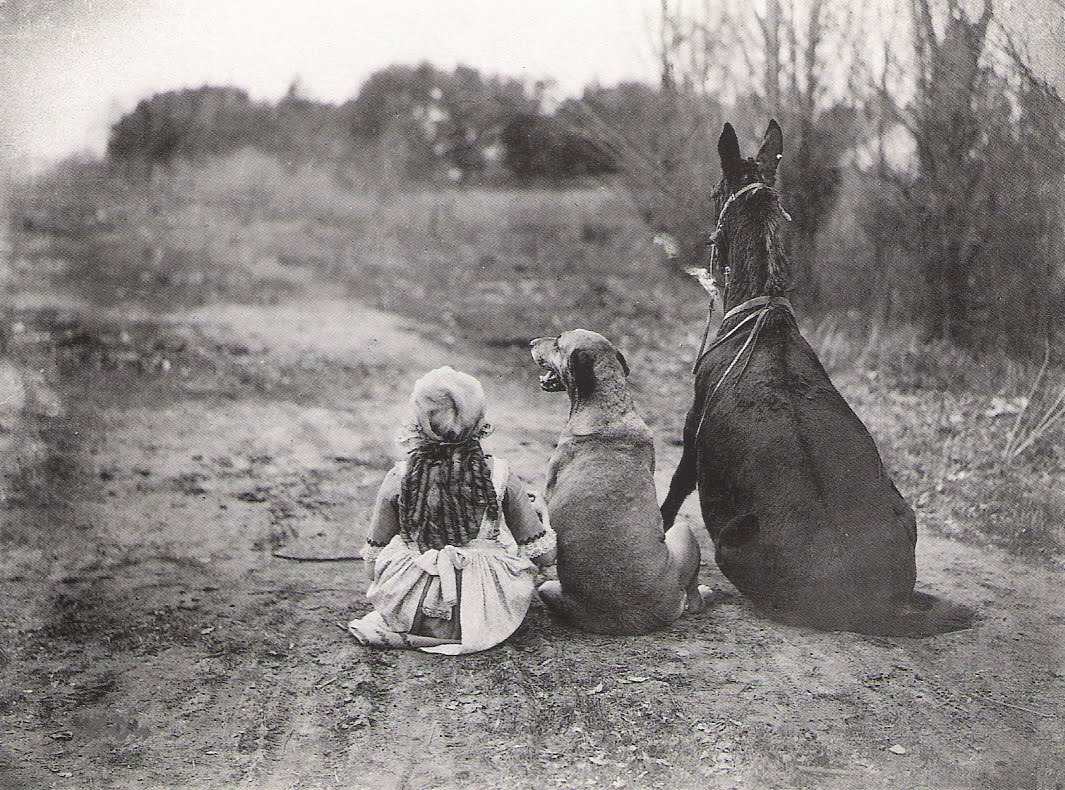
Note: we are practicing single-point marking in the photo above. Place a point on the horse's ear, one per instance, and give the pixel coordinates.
(624, 364)
(769, 155)
(582, 373)
(728, 148)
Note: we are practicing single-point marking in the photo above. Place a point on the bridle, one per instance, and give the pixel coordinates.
(761, 306)
(716, 235)
(711, 286)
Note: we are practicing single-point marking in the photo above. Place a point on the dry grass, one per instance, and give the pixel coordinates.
(970, 439)
(942, 417)
(1039, 414)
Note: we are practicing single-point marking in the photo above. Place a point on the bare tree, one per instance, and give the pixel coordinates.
(978, 210)
(947, 132)
(661, 139)
(758, 65)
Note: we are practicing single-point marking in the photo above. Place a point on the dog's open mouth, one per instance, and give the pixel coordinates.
(550, 381)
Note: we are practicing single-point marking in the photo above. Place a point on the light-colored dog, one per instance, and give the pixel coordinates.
(618, 571)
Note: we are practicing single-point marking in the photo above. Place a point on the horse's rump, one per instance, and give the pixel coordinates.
(793, 489)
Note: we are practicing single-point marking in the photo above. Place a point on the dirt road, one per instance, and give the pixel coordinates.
(149, 638)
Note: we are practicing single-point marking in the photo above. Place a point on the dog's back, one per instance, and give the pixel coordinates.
(612, 555)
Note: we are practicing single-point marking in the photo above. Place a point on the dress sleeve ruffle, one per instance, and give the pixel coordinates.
(538, 545)
(384, 524)
(371, 551)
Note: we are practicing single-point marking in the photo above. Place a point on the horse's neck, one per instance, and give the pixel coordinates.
(748, 262)
(737, 294)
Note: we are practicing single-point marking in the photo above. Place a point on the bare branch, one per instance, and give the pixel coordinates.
(985, 18)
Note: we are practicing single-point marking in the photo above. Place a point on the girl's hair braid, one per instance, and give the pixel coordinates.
(445, 494)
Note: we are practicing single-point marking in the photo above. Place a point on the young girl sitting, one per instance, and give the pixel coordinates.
(454, 541)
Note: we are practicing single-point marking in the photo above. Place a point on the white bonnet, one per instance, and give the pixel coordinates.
(448, 405)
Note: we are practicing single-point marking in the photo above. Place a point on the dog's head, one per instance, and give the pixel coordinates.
(574, 361)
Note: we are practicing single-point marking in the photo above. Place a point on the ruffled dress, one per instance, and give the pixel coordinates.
(458, 599)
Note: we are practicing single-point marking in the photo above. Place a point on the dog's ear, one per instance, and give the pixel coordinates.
(624, 364)
(582, 373)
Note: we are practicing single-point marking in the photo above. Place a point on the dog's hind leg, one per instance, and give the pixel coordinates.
(684, 478)
(685, 554)
(559, 605)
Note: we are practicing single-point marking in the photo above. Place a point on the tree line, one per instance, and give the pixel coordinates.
(410, 123)
(924, 169)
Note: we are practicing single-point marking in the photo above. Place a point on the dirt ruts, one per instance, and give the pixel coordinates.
(150, 638)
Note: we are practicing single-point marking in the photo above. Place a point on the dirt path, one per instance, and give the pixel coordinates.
(150, 638)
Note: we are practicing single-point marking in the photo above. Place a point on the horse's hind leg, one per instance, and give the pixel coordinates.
(684, 478)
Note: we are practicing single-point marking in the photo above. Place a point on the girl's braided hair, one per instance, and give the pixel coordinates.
(447, 488)
(445, 493)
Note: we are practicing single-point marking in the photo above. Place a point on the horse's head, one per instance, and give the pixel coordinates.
(750, 258)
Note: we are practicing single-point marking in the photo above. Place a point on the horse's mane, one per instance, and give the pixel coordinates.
(755, 226)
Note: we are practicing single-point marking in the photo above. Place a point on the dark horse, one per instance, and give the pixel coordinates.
(804, 518)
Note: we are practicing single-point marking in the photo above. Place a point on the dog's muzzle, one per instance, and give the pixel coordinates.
(550, 381)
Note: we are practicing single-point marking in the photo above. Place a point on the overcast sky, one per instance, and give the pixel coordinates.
(74, 64)
(68, 68)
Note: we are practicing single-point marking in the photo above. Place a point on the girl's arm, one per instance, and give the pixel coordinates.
(385, 523)
(535, 538)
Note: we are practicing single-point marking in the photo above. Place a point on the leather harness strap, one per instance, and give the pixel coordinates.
(765, 305)
(758, 301)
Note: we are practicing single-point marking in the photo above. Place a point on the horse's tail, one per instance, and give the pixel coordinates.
(927, 615)
(923, 615)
